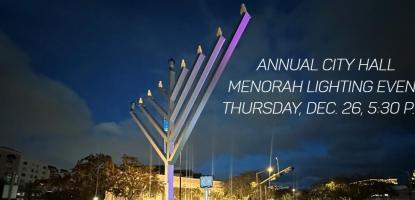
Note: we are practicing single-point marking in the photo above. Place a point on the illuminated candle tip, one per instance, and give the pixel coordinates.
(183, 64)
(243, 9)
(199, 49)
(219, 32)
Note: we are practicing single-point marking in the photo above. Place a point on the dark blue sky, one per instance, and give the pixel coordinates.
(80, 63)
(108, 51)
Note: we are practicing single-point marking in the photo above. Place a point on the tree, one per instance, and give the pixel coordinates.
(349, 188)
(239, 187)
(134, 180)
(59, 187)
(32, 190)
(84, 175)
(216, 195)
(330, 189)
(81, 182)
(190, 193)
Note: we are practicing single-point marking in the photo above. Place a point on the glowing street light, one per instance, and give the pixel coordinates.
(270, 169)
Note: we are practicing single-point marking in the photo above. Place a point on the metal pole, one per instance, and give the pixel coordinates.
(278, 164)
(410, 185)
(180, 180)
(9, 196)
(96, 185)
(168, 167)
(265, 192)
(206, 193)
(258, 185)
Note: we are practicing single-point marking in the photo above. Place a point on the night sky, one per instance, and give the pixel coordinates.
(68, 71)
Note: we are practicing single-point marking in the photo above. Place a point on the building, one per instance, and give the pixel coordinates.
(9, 162)
(13, 162)
(29, 171)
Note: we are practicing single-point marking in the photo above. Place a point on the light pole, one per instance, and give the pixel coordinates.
(294, 193)
(270, 169)
(278, 164)
(96, 183)
(272, 177)
(182, 112)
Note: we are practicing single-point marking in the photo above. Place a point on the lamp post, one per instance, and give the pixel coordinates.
(97, 180)
(278, 164)
(185, 100)
(294, 193)
(270, 169)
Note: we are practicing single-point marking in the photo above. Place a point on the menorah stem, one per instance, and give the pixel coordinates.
(169, 169)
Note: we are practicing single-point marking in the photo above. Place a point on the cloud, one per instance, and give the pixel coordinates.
(109, 128)
(48, 121)
(34, 105)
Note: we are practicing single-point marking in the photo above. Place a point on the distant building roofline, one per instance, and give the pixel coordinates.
(10, 149)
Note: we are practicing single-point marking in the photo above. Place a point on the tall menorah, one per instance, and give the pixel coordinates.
(182, 113)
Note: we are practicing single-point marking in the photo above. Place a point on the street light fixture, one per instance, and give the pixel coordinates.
(270, 169)
(278, 174)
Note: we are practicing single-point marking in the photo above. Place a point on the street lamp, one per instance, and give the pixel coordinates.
(270, 169)
(294, 193)
(278, 164)
(96, 185)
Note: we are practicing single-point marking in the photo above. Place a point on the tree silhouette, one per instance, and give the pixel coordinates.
(134, 180)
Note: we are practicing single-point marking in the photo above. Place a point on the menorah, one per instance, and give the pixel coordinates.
(182, 113)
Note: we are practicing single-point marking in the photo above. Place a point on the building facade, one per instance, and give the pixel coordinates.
(9, 162)
(29, 171)
(14, 163)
